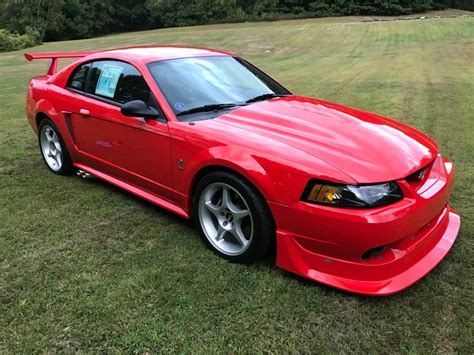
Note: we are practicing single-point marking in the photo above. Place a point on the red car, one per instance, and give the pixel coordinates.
(348, 198)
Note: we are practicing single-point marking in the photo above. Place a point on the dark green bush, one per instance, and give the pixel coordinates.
(13, 41)
(462, 4)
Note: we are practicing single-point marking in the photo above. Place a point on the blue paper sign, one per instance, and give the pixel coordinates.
(108, 79)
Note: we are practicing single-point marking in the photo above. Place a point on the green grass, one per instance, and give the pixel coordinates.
(85, 266)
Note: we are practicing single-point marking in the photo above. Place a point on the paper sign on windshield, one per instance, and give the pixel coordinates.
(108, 80)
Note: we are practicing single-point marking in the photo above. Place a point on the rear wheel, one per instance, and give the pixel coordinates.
(233, 218)
(53, 149)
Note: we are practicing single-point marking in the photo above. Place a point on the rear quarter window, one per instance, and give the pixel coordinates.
(78, 78)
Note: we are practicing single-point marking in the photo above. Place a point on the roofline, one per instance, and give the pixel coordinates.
(168, 46)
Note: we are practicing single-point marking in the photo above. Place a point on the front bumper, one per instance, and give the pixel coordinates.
(412, 236)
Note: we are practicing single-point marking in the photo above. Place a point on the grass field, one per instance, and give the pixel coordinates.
(85, 266)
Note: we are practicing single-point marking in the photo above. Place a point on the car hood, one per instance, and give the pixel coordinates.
(367, 147)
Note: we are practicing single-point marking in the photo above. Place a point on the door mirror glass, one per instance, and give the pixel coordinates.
(138, 108)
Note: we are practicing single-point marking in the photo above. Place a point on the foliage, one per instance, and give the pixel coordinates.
(183, 13)
(461, 4)
(13, 41)
(41, 15)
(71, 19)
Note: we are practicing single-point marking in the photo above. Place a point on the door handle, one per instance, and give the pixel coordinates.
(84, 112)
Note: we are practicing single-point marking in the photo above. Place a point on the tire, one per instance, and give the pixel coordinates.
(237, 225)
(52, 148)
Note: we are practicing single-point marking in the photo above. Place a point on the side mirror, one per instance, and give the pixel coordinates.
(137, 108)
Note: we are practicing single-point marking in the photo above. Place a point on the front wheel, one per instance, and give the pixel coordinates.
(232, 217)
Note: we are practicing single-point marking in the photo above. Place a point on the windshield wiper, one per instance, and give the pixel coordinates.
(206, 108)
(264, 97)
(217, 107)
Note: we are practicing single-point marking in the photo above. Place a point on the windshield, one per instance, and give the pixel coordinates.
(209, 84)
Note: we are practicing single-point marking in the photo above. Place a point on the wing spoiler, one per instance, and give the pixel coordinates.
(54, 56)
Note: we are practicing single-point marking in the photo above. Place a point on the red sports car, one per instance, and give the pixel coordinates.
(348, 198)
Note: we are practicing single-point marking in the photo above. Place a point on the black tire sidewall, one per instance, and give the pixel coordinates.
(66, 167)
(264, 230)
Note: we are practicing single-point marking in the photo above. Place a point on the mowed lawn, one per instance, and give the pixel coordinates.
(85, 266)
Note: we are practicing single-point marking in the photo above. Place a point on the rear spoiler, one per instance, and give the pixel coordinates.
(54, 56)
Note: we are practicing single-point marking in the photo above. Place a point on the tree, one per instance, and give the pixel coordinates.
(41, 15)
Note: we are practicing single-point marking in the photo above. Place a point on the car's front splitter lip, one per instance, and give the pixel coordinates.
(293, 257)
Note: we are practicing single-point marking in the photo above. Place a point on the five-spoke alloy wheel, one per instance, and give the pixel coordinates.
(226, 219)
(53, 149)
(232, 216)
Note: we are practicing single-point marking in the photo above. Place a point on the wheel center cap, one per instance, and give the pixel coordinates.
(229, 217)
(52, 146)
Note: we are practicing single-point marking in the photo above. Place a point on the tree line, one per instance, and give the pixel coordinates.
(24, 23)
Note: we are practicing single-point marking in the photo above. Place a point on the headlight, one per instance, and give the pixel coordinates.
(356, 196)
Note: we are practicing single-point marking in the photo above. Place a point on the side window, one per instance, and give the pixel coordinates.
(118, 81)
(78, 78)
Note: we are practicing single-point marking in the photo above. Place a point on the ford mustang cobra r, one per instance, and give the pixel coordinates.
(350, 199)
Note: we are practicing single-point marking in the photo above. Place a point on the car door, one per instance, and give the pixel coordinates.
(133, 149)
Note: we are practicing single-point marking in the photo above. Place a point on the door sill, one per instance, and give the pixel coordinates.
(135, 190)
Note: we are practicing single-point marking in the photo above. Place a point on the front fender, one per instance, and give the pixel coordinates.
(280, 172)
(242, 162)
(277, 181)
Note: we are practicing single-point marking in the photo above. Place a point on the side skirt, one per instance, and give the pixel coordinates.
(135, 190)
